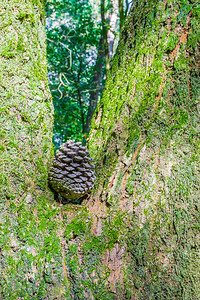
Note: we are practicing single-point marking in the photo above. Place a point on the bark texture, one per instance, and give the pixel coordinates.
(27, 229)
(141, 240)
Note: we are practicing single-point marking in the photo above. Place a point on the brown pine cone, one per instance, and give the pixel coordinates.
(72, 174)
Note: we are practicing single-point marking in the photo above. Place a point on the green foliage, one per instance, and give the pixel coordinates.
(72, 41)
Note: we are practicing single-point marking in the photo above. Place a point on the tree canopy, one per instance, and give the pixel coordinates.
(72, 39)
(80, 43)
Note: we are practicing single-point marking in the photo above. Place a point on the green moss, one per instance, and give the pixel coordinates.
(78, 226)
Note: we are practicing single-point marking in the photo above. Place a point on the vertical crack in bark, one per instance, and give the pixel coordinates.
(182, 39)
(63, 246)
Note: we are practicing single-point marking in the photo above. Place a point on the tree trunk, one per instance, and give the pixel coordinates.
(31, 260)
(139, 237)
(96, 84)
(121, 13)
(105, 35)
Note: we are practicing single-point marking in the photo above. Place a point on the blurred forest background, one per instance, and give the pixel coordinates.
(82, 37)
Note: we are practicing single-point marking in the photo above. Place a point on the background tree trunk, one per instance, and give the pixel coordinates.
(96, 84)
(105, 35)
(121, 13)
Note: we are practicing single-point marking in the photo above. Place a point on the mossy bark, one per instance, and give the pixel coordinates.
(29, 230)
(145, 138)
(142, 238)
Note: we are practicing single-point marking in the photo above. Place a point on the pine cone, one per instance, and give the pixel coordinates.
(72, 174)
